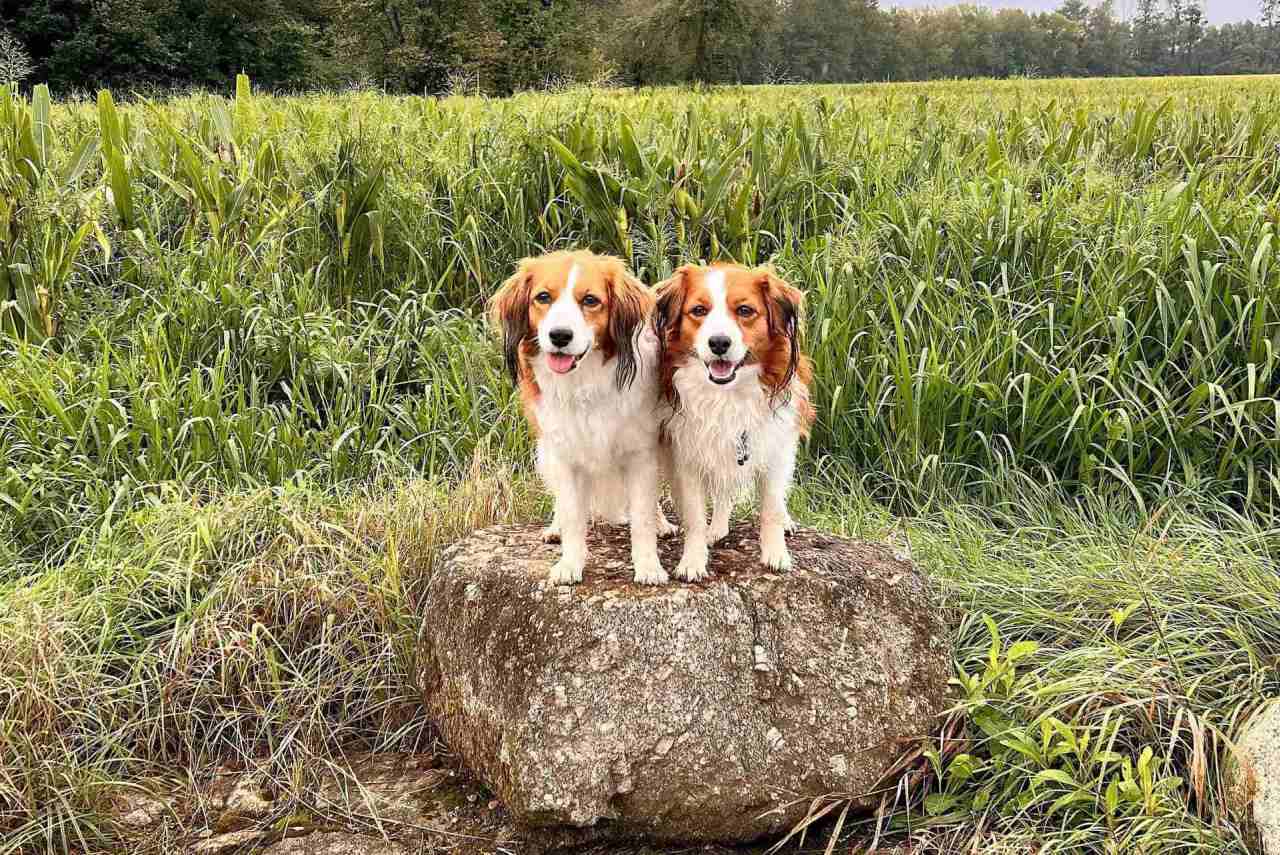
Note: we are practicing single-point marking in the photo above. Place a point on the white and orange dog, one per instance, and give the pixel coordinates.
(576, 340)
(738, 388)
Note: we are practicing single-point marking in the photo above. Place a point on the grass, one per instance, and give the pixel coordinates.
(245, 393)
(282, 624)
(1090, 638)
(272, 623)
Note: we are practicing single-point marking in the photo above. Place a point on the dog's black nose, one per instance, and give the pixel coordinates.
(719, 344)
(560, 337)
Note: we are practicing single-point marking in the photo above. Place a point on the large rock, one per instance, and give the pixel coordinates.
(1253, 778)
(707, 712)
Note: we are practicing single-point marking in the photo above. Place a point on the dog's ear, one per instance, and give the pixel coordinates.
(784, 306)
(629, 306)
(509, 312)
(667, 312)
(670, 305)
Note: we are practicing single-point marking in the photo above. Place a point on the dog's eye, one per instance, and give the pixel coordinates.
(543, 297)
(745, 311)
(698, 311)
(591, 301)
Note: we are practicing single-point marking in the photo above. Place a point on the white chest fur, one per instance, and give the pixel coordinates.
(587, 423)
(729, 436)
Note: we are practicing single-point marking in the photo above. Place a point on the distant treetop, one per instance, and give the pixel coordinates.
(501, 46)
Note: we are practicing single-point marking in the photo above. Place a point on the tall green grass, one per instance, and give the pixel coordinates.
(1072, 279)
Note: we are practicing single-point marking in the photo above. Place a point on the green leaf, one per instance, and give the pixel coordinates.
(79, 160)
(990, 722)
(41, 128)
(113, 155)
(1021, 650)
(1057, 776)
(936, 804)
(994, 650)
(632, 157)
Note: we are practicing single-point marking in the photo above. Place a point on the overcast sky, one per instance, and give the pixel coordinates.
(1218, 11)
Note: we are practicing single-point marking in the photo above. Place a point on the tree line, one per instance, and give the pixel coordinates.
(501, 46)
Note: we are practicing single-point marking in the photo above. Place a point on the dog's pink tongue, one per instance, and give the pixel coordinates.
(721, 369)
(561, 363)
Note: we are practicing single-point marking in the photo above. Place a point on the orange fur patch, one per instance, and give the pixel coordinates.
(624, 304)
(770, 324)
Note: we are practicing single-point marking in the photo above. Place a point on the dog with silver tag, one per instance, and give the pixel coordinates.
(737, 386)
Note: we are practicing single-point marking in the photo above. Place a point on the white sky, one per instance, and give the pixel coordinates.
(1217, 11)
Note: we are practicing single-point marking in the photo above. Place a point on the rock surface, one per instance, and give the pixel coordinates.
(693, 712)
(1253, 778)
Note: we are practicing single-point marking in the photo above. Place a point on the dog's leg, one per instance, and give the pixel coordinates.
(556, 479)
(573, 512)
(666, 468)
(551, 534)
(642, 493)
(689, 495)
(721, 508)
(774, 484)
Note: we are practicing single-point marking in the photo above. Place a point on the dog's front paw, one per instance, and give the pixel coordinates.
(692, 568)
(666, 528)
(775, 556)
(565, 572)
(649, 571)
(551, 534)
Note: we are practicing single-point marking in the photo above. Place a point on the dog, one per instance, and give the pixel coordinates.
(577, 342)
(737, 387)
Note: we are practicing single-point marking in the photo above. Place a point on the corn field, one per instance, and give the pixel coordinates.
(1073, 280)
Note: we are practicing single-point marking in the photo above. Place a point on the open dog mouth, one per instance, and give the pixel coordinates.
(563, 363)
(722, 371)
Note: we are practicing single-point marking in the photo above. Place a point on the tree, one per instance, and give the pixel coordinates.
(1179, 11)
(1270, 10)
(542, 40)
(1106, 45)
(1189, 35)
(403, 45)
(502, 46)
(81, 44)
(1075, 10)
(831, 39)
(1148, 45)
(1235, 49)
(688, 39)
(1022, 43)
(1064, 44)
